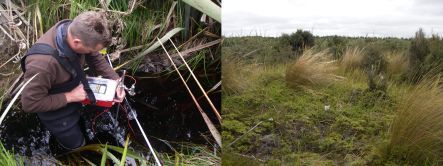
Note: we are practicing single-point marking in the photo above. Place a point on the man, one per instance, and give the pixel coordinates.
(58, 57)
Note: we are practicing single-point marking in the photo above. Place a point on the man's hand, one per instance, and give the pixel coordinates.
(78, 94)
(120, 92)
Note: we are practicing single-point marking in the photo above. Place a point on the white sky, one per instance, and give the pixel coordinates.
(397, 18)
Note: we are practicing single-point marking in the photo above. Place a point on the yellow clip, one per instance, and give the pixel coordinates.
(103, 51)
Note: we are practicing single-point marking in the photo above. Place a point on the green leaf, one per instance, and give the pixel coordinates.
(15, 98)
(129, 153)
(122, 163)
(152, 47)
(105, 150)
(207, 7)
(113, 158)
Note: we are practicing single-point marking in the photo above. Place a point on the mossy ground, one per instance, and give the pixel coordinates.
(295, 128)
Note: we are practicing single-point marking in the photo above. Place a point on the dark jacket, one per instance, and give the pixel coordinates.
(35, 96)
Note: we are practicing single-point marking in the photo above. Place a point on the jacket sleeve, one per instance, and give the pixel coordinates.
(35, 97)
(98, 63)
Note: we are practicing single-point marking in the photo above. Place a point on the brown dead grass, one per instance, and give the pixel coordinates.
(311, 69)
(352, 59)
(398, 64)
(416, 134)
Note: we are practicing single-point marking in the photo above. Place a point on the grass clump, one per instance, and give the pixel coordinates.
(417, 130)
(236, 75)
(190, 154)
(310, 69)
(352, 59)
(397, 66)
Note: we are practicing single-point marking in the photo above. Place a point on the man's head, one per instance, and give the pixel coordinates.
(88, 33)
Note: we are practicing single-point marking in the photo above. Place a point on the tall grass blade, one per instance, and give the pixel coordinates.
(122, 163)
(38, 14)
(120, 150)
(152, 47)
(198, 82)
(6, 33)
(169, 15)
(15, 98)
(207, 7)
(177, 159)
(100, 148)
(88, 161)
(196, 48)
(209, 124)
(103, 160)
(112, 157)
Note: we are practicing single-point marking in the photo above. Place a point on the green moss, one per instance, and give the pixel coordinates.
(301, 159)
(305, 133)
(235, 159)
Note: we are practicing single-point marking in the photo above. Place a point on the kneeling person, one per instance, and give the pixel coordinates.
(58, 57)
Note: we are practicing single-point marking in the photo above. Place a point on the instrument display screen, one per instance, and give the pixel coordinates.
(98, 88)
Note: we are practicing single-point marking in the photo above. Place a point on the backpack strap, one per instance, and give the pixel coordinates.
(46, 49)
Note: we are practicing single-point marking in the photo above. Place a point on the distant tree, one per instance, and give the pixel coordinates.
(434, 61)
(285, 39)
(299, 40)
(418, 50)
(337, 46)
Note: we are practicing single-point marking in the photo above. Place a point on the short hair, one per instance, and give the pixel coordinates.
(92, 28)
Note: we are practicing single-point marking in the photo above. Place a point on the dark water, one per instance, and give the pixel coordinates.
(162, 105)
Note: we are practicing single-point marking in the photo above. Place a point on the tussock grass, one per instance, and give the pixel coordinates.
(352, 59)
(398, 64)
(303, 131)
(416, 135)
(237, 75)
(311, 69)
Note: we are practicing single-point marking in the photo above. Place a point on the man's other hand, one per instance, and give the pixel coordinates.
(78, 94)
(119, 92)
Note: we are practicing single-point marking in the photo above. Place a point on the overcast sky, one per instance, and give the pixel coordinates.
(396, 18)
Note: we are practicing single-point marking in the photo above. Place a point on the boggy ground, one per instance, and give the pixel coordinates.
(339, 123)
